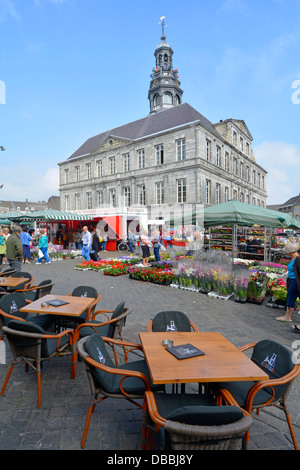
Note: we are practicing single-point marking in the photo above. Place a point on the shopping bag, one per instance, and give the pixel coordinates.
(162, 247)
(40, 254)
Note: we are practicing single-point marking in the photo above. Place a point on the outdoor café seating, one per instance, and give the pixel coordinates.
(127, 381)
(111, 328)
(276, 360)
(85, 291)
(8, 272)
(193, 422)
(171, 320)
(31, 345)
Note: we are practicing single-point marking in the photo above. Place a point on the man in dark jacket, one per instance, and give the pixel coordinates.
(14, 249)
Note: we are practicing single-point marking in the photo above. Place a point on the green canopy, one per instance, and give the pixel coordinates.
(240, 213)
(4, 222)
(48, 214)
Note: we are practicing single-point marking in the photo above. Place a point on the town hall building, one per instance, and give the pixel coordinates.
(172, 156)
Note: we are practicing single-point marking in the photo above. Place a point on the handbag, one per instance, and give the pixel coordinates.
(162, 247)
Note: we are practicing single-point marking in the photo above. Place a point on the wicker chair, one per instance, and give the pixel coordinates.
(85, 291)
(8, 272)
(31, 345)
(171, 320)
(24, 285)
(10, 305)
(127, 381)
(277, 361)
(36, 292)
(193, 422)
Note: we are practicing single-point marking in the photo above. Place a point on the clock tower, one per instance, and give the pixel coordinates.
(164, 91)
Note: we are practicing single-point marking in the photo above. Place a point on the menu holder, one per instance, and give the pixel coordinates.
(185, 351)
(56, 302)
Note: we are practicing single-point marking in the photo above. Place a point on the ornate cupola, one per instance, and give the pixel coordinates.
(164, 91)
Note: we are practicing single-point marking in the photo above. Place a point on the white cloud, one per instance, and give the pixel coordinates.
(282, 161)
(29, 182)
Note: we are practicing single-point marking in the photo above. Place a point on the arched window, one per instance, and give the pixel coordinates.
(156, 100)
(177, 98)
(167, 98)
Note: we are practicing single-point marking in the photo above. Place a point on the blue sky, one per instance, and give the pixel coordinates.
(74, 68)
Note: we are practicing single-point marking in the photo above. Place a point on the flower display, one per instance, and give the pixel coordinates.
(240, 289)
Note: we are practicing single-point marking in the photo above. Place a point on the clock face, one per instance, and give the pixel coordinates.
(166, 82)
(155, 83)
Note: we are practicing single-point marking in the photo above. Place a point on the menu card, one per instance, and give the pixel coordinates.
(185, 351)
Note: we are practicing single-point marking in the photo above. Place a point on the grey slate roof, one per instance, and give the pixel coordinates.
(291, 202)
(151, 124)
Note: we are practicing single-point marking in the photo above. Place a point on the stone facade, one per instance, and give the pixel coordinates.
(173, 156)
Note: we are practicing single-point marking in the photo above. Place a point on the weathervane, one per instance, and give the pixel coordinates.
(163, 24)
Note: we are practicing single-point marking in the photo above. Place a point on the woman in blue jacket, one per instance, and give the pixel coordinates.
(43, 246)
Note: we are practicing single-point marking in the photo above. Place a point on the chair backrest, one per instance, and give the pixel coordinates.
(171, 320)
(24, 275)
(85, 291)
(205, 427)
(276, 360)
(113, 326)
(8, 272)
(11, 304)
(26, 339)
(46, 288)
(95, 347)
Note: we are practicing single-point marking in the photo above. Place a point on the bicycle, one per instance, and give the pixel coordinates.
(123, 247)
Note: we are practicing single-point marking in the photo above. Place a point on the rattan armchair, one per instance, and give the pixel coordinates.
(31, 345)
(193, 422)
(85, 291)
(171, 320)
(28, 280)
(127, 381)
(276, 360)
(36, 292)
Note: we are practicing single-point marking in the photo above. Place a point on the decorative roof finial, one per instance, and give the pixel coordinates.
(163, 26)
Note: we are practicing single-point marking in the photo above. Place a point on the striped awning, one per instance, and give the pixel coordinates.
(47, 214)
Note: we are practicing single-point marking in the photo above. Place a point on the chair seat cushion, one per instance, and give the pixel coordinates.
(134, 385)
(239, 390)
(100, 330)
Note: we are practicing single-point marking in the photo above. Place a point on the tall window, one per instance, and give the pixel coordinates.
(67, 175)
(99, 168)
(241, 144)
(218, 162)
(141, 195)
(160, 193)
(208, 192)
(113, 197)
(89, 204)
(241, 169)
(234, 166)
(88, 170)
(234, 195)
(112, 162)
(263, 182)
(226, 194)
(126, 162)
(126, 195)
(180, 149)
(234, 138)
(159, 154)
(77, 201)
(218, 193)
(247, 173)
(67, 202)
(208, 150)
(226, 161)
(167, 98)
(141, 158)
(77, 173)
(253, 177)
(100, 198)
(181, 190)
(247, 149)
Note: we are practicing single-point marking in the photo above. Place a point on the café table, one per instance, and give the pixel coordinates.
(12, 281)
(74, 306)
(221, 361)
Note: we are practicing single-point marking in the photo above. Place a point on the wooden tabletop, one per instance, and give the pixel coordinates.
(221, 361)
(75, 306)
(12, 281)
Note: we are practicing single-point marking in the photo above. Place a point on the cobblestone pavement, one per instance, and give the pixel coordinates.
(116, 424)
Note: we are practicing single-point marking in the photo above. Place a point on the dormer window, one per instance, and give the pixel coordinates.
(167, 98)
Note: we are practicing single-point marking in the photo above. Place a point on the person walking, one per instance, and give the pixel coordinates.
(14, 249)
(131, 240)
(2, 248)
(6, 235)
(86, 243)
(293, 282)
(104, 240)
(156, 244)
(25, 239)
(43, 246)
(145, 248)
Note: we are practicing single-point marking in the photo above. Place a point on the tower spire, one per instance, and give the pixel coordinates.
(164, 91)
